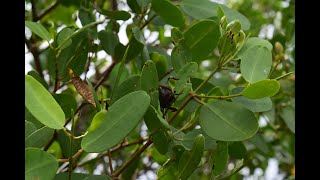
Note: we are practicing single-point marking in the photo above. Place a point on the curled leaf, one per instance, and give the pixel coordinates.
(82, 88)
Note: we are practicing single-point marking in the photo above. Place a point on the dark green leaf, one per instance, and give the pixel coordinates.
(129, 85)
(219, 158)
(63, 35)
(170, 13)
(255, 105)
(124, 114)
(161, 141)
(190, 160)
(256, 63)
(236, 125)
(67, 102)
(203, 9)
(39, 164)
(116, 15)
(260, 143)
(42, 105)
(154, 120)
(237, 150)
(109, 41)
(136, 43)
(201, 38)
(176, 35)
(64, 142)
(161, 63)
(38, 29)
(261, 89)
(95, 96)
(39, 138)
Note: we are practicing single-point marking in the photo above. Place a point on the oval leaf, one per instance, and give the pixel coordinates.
(37, 76)
(38, 29)
(201, 38)
(256, 63)
(254, 41)
(261, 89)
(236, 125)
(42, 105)
(39, 164)
(190, 160)
(161, 141)
(203, 9)
(109, 41)
(255, 105)
(188, 139)
(170, 13)
(123, 116)
(39, 138)
(180, 56)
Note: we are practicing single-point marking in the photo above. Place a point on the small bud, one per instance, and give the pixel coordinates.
(279, 57)
(278, 48)
(223, 22)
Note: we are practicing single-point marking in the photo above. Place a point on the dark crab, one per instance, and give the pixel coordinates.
(166, 98)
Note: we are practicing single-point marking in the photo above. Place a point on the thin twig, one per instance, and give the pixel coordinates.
(132, 158)
(47, 11)
(35, 53)
(147, 22)
(73, 157)
(105, 75)
(110, 161)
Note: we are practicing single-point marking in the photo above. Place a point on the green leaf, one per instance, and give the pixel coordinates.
(254, 41)
(161, 141)
(42, 105)
(64, 142)
(129, 85)
(29, 117)
(161, 63)
(79, 176)
(188, 139)
(180, 56)
(29, 128)
(256, 63)
(38, 29)
(154, 120)
(116, 15)
(219, 158)
(255, 105)
(183, 77)
(261, 89)
(39, 138)
(109, 41)
(288, 115)
(63, 35)
(237, 150)
(66, 102)
(37, 76)
(201, 38)
(122, 117)
(237, 124)
(137, 43)
(203, 9)
(190, 160)
(170, 13)
(134, 6)
(39, 164)
(157, 157)
(168, 171)
(150, 82)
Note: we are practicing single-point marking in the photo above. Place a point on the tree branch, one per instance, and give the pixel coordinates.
(47, 11)
(105, 75)
(35, 53)
(132, 158)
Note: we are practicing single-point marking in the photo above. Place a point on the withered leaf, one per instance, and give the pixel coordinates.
(82, 88)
